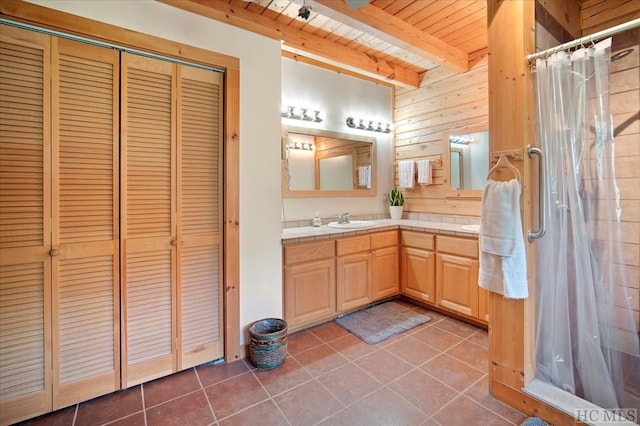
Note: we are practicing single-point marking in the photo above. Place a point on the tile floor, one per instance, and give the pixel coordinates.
(434, 374)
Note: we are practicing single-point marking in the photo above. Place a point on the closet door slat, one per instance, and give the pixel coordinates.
(148, 218)
(25, 233)
(200, 212)
(86, 297)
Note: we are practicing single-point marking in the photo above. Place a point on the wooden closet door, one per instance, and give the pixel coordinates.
(85, 274)
(25, 233)
(200, 216)
(148, 224)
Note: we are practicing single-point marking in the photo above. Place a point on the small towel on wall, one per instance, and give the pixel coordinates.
(364, 176)
(503, 263)
(424, 172)
(406, 173)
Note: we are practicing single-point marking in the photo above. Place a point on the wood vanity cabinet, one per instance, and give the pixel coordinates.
(457, 276)
(417, 265)
(325, 278)
(384, 262)
(309, 282)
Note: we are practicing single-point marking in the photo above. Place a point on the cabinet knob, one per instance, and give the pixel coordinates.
(174, 242)
(54, 252)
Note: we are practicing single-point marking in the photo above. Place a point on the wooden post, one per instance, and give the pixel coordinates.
(511, 37)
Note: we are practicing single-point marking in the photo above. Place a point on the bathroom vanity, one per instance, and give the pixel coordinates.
(329, 272)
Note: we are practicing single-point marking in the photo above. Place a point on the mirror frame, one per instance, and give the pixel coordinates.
(446, 161)
(309, 193)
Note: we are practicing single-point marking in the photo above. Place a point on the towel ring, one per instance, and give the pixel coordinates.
(503, 161)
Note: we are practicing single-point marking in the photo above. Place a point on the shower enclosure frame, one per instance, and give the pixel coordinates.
(511, 37)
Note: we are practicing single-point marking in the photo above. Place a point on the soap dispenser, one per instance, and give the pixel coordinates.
(316, 220)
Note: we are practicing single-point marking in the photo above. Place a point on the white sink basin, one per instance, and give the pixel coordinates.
(353, 224)
(474, 228)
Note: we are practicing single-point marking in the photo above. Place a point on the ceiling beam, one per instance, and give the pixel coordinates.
(301, 42)
(304, 58)
(395, 31)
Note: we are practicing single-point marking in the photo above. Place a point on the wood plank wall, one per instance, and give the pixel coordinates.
(624, 80)
(445, 101)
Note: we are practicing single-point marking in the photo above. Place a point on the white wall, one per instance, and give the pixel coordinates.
(260, 129)
(339, 96)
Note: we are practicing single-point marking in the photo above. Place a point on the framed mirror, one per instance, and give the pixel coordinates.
(466, 161)
(322, 163)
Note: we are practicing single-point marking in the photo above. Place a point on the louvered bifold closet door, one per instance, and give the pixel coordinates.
(25, 233)
(148, 229)
(86, 301)
(200, 213)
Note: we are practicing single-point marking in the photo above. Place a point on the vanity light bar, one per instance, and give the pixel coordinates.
(371, 126)
(298, 113)
(462, 140)
(301, 145)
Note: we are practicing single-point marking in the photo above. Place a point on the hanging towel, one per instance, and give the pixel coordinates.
(424, 172)
(364, 176)
(406, 173)
(503, 265)
(500, 210)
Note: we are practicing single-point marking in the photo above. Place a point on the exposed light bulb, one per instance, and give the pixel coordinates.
(304, 12)
(296, 112)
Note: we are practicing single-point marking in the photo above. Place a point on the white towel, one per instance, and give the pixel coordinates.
(503, 264)
(406, 173)
(500, 209)
(424, 172)
(364, 176)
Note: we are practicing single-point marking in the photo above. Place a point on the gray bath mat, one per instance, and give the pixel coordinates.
(534, 421)
(378, 323)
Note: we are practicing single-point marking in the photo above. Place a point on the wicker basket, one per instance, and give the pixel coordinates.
(268, 346)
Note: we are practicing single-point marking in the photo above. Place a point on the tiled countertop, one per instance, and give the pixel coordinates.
(311, 233)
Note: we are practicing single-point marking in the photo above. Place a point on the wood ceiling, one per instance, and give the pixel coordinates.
(396, 41)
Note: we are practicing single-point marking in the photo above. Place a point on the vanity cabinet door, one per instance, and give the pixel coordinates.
(457, 284)
(310, 292)
(384, 264)
(417, 273)
(457, 277)
(384, 279)
(353, 266)
(354, 281)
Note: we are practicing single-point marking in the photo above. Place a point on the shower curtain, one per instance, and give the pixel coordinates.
(586, 334)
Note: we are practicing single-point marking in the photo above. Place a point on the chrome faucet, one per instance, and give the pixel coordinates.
(344, 217)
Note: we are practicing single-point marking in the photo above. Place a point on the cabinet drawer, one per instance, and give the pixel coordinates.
(417, 240)
(460, 246)
(353, 245)
(306, 252)
(384, 239)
